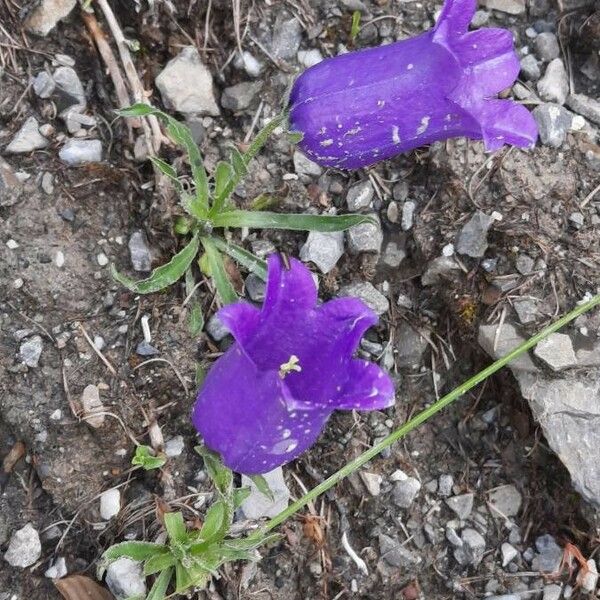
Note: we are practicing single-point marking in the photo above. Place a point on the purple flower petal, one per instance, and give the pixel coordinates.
(365, 106)
(266, 400)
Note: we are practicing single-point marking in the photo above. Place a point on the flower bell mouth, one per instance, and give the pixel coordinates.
(365, 106)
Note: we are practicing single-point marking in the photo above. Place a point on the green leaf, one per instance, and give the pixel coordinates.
(163, 276)
(251, 542)
(175, 526)
(355, 25)
(264, 201)
(159, 589)
(292, 222)
(223, 173)
(221, 476)
(246, 259)
(215, 523)
(196, 319)
(145, 458)
(263, 487)
(135, 550)
(240, 162)
(239, 495)
(183, 136)
(295, 137)
(166, 169)
(158, 563)
(218, 272)
(186, 578)
(183, 225)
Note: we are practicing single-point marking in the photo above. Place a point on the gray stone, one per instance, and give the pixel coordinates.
(58, 570)
(139, 253)
(43, 85)
(472, 239)
(498, 344)
(366, 292)
(556, 351)
(480, 18)
(577, 220)
(505, 501)
(395, 554)
(324, 249)
(393, 213)
(439, 269)
(11, 189)
(554, 85)
(372, 482)
(553, 123)
(305, 166)
(47, 14)
(186, 85)
(530, 68)
(216, 329)
(525, 264)
(287, 35)
(366, 237)
(588, 357)
(27, 139)
(445, 483)
(255, 287)
(69, 93)
(405, 492)
(410, 346)
(546, 46)
(47, 183)
(552, 592)
(309, 58)
(145, 348)
(511, 7)
(262, 248)
(78, 152)
(125, 579)
(585, 106)
(549, 554)
(509, 553)
(24, 548)
(526, 311)
(393, 255)
(93, 409)
(250, 64)
(240, 96)
(408, 213)
(461, 505)
(175, 446)
(31, 350)
(472, 549)
(359, 196)
(400, 191)
(258, 505)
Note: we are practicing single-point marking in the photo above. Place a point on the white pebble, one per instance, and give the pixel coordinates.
(102, 259)
(60, 259)
(110, 504)
(12, 245)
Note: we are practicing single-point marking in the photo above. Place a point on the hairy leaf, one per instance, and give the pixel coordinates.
(246, 259)
(218, 272)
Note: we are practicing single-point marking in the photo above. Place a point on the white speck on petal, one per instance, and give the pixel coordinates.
(286, 434)
(326, 143)
(424, 125)
(292, 446)
(381, 103)
(410, 66)
(395, 136)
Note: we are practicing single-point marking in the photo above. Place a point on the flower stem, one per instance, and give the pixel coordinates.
(425, 415)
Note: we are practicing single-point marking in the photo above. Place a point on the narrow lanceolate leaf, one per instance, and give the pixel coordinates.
(221, 476)
(196, 319)
(175, 526)
(218, 272)
(161, 585)
(182, 136)
(223, 173)
(246, 259)
(263, 487)
(215, 523)
(293, 222)
(164, 276)
(158, 563)
(166, 169)
(134, 550)
(240, 162)
(239, 495)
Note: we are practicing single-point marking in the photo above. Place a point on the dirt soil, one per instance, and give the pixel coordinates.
(486, 440)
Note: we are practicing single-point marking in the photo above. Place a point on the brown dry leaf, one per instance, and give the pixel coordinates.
(80, 587)
(17, 452)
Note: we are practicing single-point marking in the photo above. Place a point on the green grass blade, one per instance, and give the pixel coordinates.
(292, 222)
(161, 585)
(218, 272)
(163, 276)
(423, 416)
(246, 259)
(166, 169)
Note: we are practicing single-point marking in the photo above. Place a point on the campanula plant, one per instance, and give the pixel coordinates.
(266, 400)
(365, 106)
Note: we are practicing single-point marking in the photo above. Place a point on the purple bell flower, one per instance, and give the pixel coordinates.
(359, 108)
(266, 400)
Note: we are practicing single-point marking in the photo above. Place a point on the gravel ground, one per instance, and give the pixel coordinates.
(472, 253)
